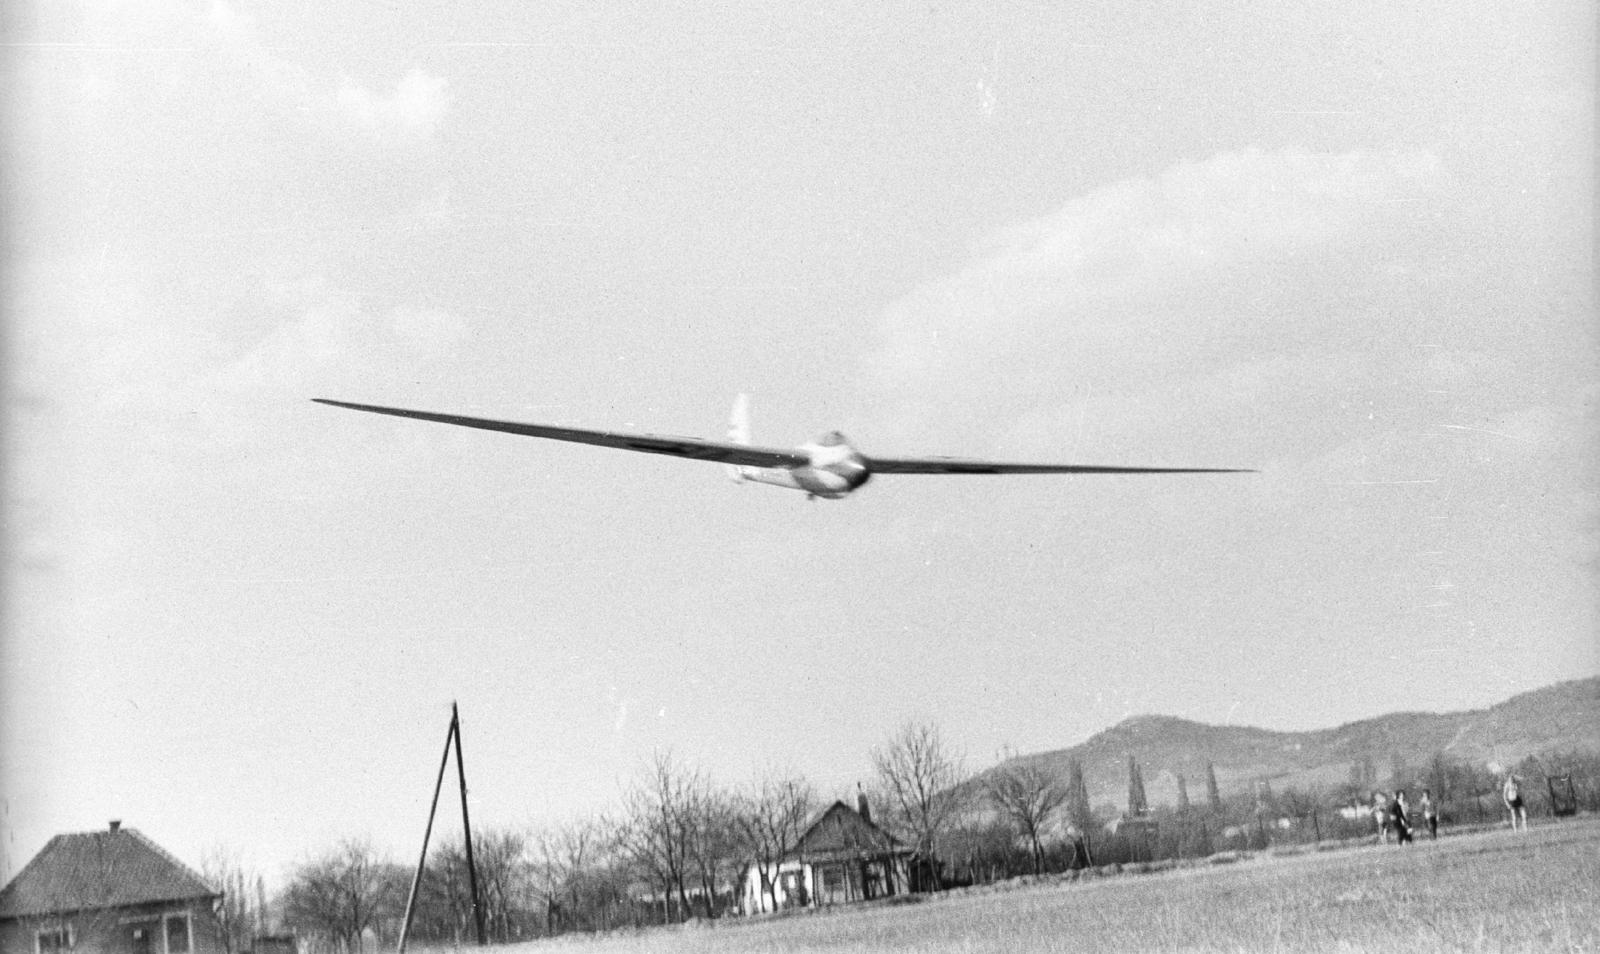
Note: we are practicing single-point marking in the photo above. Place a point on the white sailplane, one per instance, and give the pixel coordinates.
(828, 467)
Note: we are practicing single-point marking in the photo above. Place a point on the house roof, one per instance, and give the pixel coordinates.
(840, 831)
(94, 870)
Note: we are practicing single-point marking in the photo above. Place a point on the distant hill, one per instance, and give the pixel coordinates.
(1558, 718)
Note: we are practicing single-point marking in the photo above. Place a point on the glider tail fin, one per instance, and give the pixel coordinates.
(739, 432)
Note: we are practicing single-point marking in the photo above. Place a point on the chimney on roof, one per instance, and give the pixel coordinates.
(862, 808)
(116, 823)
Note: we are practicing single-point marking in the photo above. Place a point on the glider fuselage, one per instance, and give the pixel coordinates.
(833, 469)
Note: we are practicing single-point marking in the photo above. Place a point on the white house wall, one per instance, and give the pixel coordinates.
(755, 900)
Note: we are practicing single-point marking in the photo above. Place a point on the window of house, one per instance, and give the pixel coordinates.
(55, 941)
(177, 934)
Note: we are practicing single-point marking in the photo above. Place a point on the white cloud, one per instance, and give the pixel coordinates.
(416, 105)
(298, 354)
(1127, 268)
(125, 370)
(335, 348)
(415, 108)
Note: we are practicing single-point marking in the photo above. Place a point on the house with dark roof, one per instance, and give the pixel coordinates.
(842, 857)
(108, 892)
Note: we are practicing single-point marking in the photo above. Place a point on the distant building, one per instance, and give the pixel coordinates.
(841, 858)
(1134, 826)
(108, 892)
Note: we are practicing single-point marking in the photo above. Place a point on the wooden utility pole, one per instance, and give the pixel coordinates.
(451, 736)
(466, 824)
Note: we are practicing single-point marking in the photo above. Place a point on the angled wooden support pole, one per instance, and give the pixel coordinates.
(466, 825)
(416, 880)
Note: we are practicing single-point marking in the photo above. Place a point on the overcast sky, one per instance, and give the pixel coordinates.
(1347, 245)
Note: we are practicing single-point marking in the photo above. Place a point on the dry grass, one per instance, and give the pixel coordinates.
(1490, 891)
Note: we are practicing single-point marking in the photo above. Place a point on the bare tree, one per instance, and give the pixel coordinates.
(340, 896)
(584, 870)
(922, 779)
(443, 908)
(239, 914)
(565, 855)
(658, 825)
(1029, 796)
(505, 882)
(1299, 804)
(771, 817)
(313, 905)
(713, 842)
(505, 888)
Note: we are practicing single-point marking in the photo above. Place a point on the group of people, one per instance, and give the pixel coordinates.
(1394, 814)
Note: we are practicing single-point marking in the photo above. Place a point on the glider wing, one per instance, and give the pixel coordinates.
(958, 465)
(691, 447)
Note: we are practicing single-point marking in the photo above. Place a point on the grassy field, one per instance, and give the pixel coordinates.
(1488, 891)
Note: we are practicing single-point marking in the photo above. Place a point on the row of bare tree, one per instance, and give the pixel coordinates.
(681, 846)
(678, 847)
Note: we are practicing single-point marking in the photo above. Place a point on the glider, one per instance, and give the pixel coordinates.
(828, 467)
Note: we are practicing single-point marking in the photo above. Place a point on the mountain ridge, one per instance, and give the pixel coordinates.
(1561, 717)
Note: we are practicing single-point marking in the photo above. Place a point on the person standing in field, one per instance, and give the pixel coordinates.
(1381, 815)
(1397, 818)
(1511, 794)
(1430, 814)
